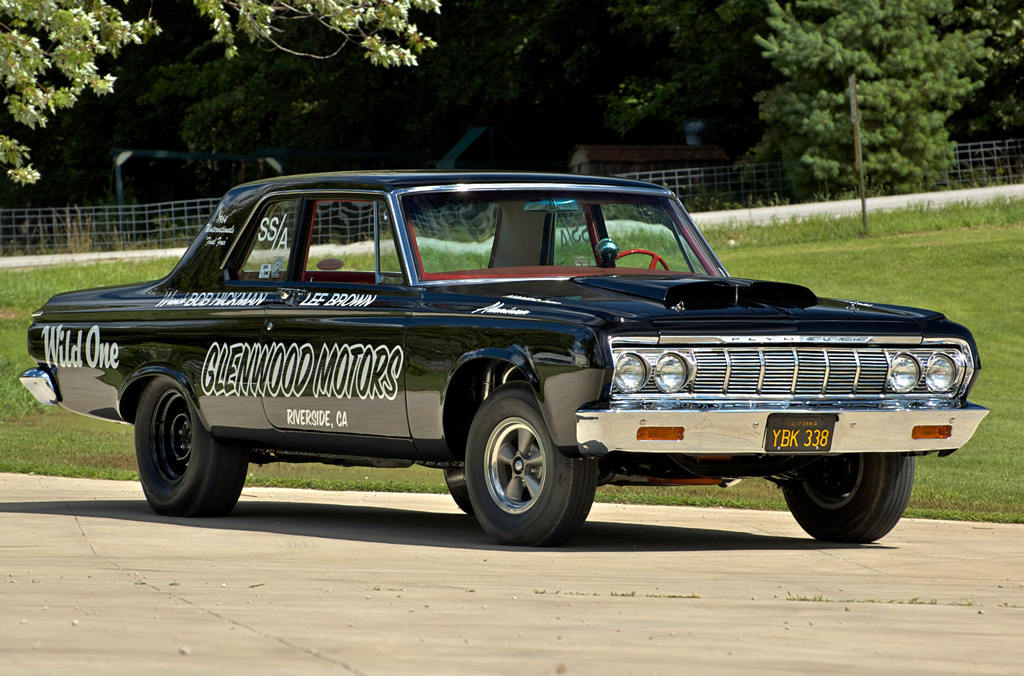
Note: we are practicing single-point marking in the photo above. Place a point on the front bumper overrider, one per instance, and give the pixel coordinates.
(737, 429)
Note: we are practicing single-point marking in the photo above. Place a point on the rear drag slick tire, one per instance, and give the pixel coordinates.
(183, 470)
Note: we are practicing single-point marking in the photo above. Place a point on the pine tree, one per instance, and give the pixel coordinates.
(911, 78)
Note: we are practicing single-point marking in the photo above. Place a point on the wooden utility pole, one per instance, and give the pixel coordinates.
(855, 116)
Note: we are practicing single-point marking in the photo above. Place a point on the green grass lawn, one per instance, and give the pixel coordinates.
(967, 262)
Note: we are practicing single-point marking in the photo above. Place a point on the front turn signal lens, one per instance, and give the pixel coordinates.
(660, 433)
(932, 432)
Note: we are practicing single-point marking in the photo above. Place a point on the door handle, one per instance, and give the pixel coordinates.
(291, 296)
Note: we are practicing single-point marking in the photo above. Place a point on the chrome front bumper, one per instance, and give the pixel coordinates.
(737, 430)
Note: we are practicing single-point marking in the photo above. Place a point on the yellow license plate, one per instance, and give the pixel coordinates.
(797, 433)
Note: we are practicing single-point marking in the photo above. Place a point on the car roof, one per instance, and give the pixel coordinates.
(390, 181)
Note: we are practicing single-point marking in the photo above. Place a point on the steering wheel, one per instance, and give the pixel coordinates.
(655, 258)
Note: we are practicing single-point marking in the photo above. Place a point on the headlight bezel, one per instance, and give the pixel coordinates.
(955, 368)
(620, 365)
(659, 369)
(908, 365)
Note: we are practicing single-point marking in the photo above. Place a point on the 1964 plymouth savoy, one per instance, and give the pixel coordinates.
(533, 336)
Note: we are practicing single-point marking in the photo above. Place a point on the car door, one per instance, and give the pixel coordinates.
(228, 325)
(335, 334)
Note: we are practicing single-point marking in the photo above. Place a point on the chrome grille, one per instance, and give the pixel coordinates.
(812, 368)
(745, 372)
(710, 377)
(779, 372)
(776, 371)
(874, 366)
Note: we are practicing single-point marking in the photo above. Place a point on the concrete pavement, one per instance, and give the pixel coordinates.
(44, 260)
(783, 214)
(92, 582)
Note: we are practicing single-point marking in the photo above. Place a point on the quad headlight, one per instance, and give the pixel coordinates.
(904, 373)
(940, 374)
(671, 372)
(630, 372)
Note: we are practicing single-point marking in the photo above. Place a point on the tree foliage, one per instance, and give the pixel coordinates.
(998, 107)
(50, 50)
(700, 61)
(545, 75)
(911, 78)
(536, 73)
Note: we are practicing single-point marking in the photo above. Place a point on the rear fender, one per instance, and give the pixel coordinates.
(131, 390)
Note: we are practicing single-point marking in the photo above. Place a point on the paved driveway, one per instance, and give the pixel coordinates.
(308, 582)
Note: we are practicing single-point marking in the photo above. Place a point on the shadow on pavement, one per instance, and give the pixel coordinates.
(390, 525)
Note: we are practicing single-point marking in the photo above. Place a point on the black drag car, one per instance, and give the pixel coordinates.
(532, 336)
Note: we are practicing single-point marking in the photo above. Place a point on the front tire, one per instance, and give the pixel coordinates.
(183, 470)
(455, 479)
(522, 489)
(858, 497)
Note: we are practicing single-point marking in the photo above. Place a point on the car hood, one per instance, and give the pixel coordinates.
(679, 305)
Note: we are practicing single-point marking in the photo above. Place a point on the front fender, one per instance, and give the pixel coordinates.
(512, 354)
(562, 394)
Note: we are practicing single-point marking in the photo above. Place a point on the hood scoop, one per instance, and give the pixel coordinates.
(707, 293)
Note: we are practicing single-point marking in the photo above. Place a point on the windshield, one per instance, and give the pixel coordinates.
(495, 234)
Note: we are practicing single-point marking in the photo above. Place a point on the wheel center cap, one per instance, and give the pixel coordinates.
(518, 465)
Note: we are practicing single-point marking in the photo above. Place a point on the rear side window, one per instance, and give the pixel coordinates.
(341, 239)
(343, 243)
(272, 245)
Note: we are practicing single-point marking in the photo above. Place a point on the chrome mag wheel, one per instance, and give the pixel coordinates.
(514, 463)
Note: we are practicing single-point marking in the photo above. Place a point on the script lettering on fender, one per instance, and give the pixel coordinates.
(499, 308)
(67, 348)
(294, 370)
(212, 299)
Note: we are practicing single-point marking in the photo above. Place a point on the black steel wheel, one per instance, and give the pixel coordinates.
(455, 478)
(184, 471)
(857, 497)
(522, 489)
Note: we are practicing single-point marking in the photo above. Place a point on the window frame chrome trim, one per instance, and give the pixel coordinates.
(377, 196)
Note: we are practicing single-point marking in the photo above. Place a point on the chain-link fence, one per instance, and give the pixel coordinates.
(102, 228)
(988, 163)
(727, 187)
(706, 188)
(168, 224)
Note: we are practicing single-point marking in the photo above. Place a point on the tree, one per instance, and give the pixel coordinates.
(537, 72)
(998, 107)
(700, 61)
(910, 78)
(50, 52)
